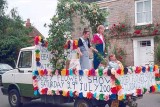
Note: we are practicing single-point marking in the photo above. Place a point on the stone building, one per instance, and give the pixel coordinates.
(137, 22)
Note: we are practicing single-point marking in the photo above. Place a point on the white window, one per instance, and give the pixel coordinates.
(143, 12)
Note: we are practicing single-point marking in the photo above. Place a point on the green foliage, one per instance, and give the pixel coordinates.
(157, 54)
(120, 54)
(63, 22)
(147, 30)
(13, 36)
(118, 30)
(2, 7)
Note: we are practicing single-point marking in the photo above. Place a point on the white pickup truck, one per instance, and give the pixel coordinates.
(33, 78)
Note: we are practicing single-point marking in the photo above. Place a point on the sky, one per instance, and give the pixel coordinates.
(38, 11)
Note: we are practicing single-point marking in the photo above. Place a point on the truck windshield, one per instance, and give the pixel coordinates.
(25, 60)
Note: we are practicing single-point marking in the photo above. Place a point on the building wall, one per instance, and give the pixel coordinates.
(156, 11)
(121, 10)
(124, 10)
(128, 48)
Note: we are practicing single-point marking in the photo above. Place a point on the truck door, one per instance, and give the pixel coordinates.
(24, 77)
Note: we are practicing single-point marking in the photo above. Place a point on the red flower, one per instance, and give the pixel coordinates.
(138, 70)
(35, 88)
(37, 59)
(89, 95)
(114, 90)
(41, 73)
(157, 24)
(113, 77)
(118, 87)
(153, 88)
(119, 71)
(157, 75)
(137, 32)
(123, 26)
(67, 94)
(155, 32)
(90, 73)
(120, 57)
(34, 77)
(36, 40)
(139, 91)
(65, 46)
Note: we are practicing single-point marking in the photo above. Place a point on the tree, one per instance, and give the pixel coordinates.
(63, 22)
(13, 34)
(2, 7)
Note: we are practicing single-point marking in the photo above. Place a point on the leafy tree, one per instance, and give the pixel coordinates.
(13, 34)
(2, 7)
(63, 22)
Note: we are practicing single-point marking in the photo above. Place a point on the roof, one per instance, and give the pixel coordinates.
(28, 48)
(34, 31)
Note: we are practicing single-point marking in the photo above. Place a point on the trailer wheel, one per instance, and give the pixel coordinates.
(14, 98)
(82, 103)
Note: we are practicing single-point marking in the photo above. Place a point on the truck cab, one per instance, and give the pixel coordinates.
(17, 83)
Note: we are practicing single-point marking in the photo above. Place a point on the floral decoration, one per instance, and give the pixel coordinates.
(146, 30)
(116, 88)
(71, 44)
(124, 29)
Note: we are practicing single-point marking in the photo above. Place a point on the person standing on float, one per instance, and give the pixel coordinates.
(83, 49)
(99, 42)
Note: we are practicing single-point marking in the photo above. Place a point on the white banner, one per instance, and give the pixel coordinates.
(76, 83)
(131, 82)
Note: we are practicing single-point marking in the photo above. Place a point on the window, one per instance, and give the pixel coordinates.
(25, 60)
(145, 43)
(143, 12)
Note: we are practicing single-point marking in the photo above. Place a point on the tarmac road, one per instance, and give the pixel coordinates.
(148, 100)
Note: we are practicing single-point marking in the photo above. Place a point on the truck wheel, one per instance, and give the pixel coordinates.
(14, 98)
(82, 103)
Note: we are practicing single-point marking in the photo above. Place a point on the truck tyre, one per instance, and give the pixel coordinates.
(14, 98)
(82, 103)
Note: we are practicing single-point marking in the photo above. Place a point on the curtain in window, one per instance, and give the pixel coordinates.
(139, 12)
(147, 11)
(144, 11)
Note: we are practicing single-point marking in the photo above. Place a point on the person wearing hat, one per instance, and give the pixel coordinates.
(83, 49)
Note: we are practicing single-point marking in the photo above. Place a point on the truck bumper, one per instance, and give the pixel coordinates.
(4, 91)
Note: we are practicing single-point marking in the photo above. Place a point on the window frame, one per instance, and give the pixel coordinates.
(143, 23)
(20, 62)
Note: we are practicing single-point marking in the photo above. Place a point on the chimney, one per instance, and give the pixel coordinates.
(28, 24)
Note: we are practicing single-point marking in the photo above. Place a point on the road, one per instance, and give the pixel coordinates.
(149, 100)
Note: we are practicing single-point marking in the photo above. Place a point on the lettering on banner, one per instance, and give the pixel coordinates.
(136, 81)
(78, 83)
(45, 57)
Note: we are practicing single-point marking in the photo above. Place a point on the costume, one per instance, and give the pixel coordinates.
(113, 64)
(84, 46)
(98, 40)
